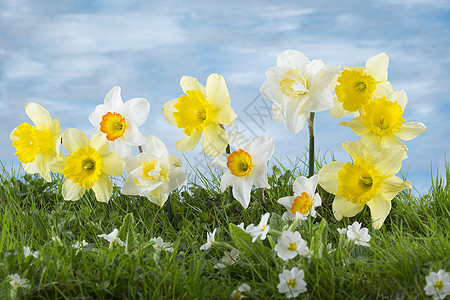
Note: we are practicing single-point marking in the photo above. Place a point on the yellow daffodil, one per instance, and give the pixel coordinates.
(202, 109)
(369, 179)
(37, 145)
(297, 86)
(88, 166)
(381, 122)
(357, 86)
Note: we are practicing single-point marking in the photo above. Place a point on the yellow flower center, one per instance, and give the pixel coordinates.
(31, 141)
(237, 295)
(154, 171)
(358, 182)
(113, 124)
(193, 112)
(239, 163)
(293, 83)
(382, 116)
(439, 285)
(84, 167)
(292, 283)
(356, 88)
(292, 246)
(301, 204)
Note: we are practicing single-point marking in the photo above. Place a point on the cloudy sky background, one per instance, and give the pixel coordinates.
(67, 55)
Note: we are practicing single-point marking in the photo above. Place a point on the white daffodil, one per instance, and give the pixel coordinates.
(228, 259)
(261, 230)
(153, 173)
(290, 244)
(438, 285)
(210, 240)
(305, 199)
(297, 86)
(369, 179)
(381, 123)
(243, 288)
(17, 282)
(292, 282)
(88, 166)
(120, 121)
(202, 109)
(112, 238)
(37, 146)
(161, 245)
(245, 167)
(356, 86)
(358, 235)
(27, 252)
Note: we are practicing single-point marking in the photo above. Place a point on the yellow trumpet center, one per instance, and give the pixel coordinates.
(239, 163)
(355, 89)
(382, 116)
(301, 204)
(153, 170)
(31, 141)
(84, 167)
(294, 83)
(113, 125)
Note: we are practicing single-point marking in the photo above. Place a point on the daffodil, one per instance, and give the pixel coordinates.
(292, 282)
(202, 109)
(305, 199)
(381, 123)
(161, 245)
(357, 86)
(358, 235)
(210, 240)
(297, 86)
(438, 284)
(37, 146)
(88, 166)
(245, 167)
(290, 244)
(119, 121)
(369, 179)
(153, 173)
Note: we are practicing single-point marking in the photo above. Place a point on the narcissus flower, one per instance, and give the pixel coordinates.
(119, 121)
(161, 245)
(357, 86)
(290, 244)
(438, 284)
(369, 179)
(358, 235)
(37, 145)
(202, 109)
(381, 122)
(305, 199)
(210, 240)
(297, 86)
(245, 167)
(153, 173)
(88, 166)
(292, 282)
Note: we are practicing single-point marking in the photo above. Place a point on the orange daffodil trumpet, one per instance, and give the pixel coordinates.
(153, 173)
(357, 86)
(37, 145)
(201, 110)
(381, 123)
(88, 166)
(119, 121)
(369, 179)
(297, 87)
(245, 167)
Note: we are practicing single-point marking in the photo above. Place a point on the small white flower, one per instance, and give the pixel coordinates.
(290, 244)
(358, 235)
(228, 259)
(79, 245)
(209, 240)
(292, 282)
(342, 230)
(243, 288)
(161, 245)
(17, 282)
(438, 284)
(261, 230)
(112, 237)
(27, 252)
(242, 226)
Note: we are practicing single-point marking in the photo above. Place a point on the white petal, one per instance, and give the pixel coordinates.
(136, 110)
(383, 89)
(270, 89)
(220, 162)
(400, 97)
(177, 178)
(277, 112)
(96, 117)
(227, 180)
(113, 101)
(132, 162)
(241, 190)
(261, 149)
(57, 165)
(391, 186)
(344, 208)
(112, 164)
(338, 110)
(99, 143)
(73, 139)
(190, 83)
(155, 146)
(410, 130)
(216, 91)
(31, 168)
(129, 188)
(43, 165)
(357, 126)
(297, 122)
(132, 135)
(72, 191)
(168, 111)
(188, 143)
(103, 188)
(121, 147)
(389, 160)
(259, 175)
(303, 184)
(292, 58)
(39, 115)
(286, 202)
(379, 210)
(377, 67)
(328, 176)
(357, 149)
(320, 99)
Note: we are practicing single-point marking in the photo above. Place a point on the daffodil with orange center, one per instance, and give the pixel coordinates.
(201, 110)
(368, 180)
(37, 145)
(245, 167)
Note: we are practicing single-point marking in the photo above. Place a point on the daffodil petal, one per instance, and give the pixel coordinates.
(103, 188)
(410, 130)
(155, 146)
(338, 110)
(99, 143)
(328, 176)
(320, 99)
(269, 89)
(372, 141)
(356, 125)
(383, 89)
(137, 109)
(220, 162)
(261, 149)
(227, 180)
(39, 115)
(391, 186)
(277, 112)
(389, 160)
(43, 165)
(390, 140)
(357, 149)
(73, 139)
(292, 58)
(379, 210)
(133, 136)
(177, 178)
(132, 162)
(400, 97)
(120, 147)
(129, 188)
(112, 164)
(215, 140)
(241, 190)
(308, 185)
(113, 100)
(58, 164)
(259, 175)
(31, 168)
(72, 191)
(168, 111)
(225, 115)
(344, 208)
(190, 83)
(297, 122)
(217, 91)
(286, 201)
(188, 143)
(377, 67)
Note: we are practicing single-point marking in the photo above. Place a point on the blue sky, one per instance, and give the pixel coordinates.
(67, 55)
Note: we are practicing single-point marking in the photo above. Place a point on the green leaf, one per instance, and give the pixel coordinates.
(319, 240)
(276, 222)
(126, 232)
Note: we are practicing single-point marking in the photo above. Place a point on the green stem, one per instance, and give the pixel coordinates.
(230, 189)
(311, 144)
(225, 245)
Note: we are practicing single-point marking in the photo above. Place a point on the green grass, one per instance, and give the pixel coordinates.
(412, 242)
